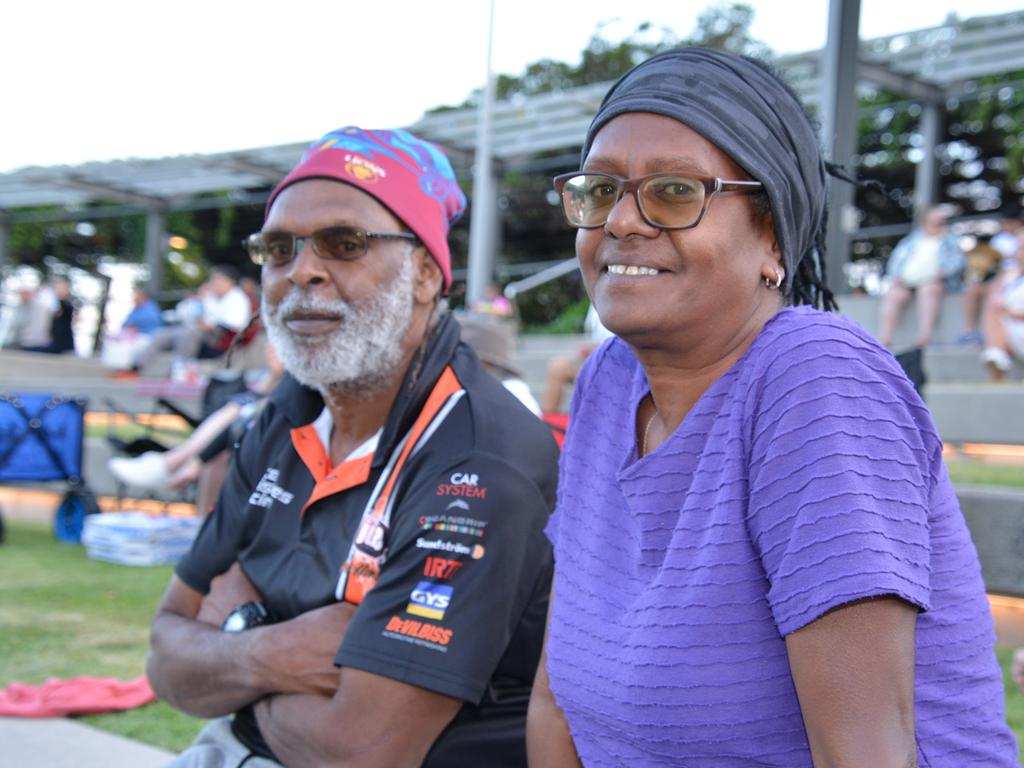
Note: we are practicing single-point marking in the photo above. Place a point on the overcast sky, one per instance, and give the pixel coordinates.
(109, 79)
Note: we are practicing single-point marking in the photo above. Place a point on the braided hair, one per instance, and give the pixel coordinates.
(810, 281)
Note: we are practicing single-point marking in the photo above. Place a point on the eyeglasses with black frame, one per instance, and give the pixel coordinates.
(339, 243)
(665, 200)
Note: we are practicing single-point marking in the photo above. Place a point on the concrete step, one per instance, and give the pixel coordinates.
(866, 309)
(995, 517)
(138, 396)
(961, 364)
(14, 363)
(64, 743)
(977, 412)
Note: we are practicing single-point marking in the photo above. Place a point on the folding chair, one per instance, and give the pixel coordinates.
(41, 439)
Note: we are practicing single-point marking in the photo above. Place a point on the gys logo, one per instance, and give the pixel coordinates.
(429, 600)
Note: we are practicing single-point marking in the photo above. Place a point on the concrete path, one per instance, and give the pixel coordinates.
(64, 743)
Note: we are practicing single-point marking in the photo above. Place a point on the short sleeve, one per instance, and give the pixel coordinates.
(840, 479)
(468, 555)
(222, 535)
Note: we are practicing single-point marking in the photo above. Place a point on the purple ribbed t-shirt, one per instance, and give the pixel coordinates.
(809, 475)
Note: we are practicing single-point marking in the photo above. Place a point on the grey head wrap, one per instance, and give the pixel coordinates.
(746, 113)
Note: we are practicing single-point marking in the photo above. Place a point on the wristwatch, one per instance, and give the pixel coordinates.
(247, 616)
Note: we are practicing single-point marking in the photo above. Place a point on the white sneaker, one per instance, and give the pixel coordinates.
(147, 471)
(997, 358)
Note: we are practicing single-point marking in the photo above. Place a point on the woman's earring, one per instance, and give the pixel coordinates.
(774, 286)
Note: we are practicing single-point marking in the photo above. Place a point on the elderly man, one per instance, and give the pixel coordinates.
(369, 590)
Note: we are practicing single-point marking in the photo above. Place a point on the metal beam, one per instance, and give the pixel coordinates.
(903, 85)
(5, 239)
(271, 174)
(482, 238)
(235, 200)
(156, 247)
(76, 214)
(104, 191)
(838, 127)
(926, 173)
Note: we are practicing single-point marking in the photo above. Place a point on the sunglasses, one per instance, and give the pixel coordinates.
(666, 201)
(275, 249)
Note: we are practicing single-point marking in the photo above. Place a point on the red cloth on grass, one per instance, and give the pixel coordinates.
(74, 696)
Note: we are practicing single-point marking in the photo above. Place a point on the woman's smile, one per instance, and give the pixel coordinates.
(630, 270)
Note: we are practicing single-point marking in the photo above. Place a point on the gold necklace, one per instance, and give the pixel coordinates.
(647, 431)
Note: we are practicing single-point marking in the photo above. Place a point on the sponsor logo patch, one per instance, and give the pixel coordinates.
(429, 600)
(454, 547)
(440, 568)
(418, 632)
(454, 524)
(358, 167)
(268, 491)
(372, 536)
(465, 491)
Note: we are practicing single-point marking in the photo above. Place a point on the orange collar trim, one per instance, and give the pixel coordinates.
(329, 479)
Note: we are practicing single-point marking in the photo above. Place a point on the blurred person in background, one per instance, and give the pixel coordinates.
(120, 349)
(494, 303)
(562, 371)
(203, 456)
(983, 266)
(1011, 226)
(1003, 318)
(50, 306)
(493, 341)
(923, 265)
(225, 312)
(62, 337)
(30, 324)
(145, 317)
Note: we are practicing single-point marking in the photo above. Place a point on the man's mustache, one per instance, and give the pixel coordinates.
(297, 303)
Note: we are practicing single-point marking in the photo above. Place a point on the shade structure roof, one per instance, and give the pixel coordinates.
(933, 63)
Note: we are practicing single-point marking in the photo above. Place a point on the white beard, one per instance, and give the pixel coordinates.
(362, 355)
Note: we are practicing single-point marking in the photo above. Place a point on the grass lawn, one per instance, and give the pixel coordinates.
(972, 472)
(64, 615)
(1014, 700)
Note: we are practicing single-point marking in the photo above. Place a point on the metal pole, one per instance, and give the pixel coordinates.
(481, 222)
(5, 239)
(926, 174)
(839, 131)
(156, 247)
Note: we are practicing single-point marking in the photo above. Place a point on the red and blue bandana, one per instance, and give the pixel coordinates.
(408, 175)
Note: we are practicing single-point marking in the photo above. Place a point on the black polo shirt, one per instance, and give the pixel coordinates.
(460, 603)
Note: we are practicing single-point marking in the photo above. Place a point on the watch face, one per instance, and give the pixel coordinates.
(235, 622)
(246, 616)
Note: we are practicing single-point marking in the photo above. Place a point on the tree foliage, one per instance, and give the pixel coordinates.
(533, 228)
(724, 26)
(981, 166)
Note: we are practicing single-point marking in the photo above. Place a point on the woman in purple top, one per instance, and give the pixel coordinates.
(760, 560)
